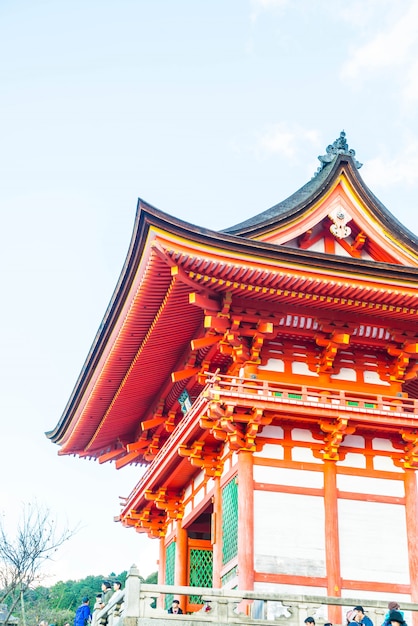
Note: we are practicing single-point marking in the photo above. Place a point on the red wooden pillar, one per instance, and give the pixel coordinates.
(332, 548)
(245, 521)
(180, 568)
(411, 512)
(217, 533)
(161, 570)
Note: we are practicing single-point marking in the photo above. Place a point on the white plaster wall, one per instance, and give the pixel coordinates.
(288, 477)
(300, 367)
(378, 486)
(373, 543)
(345, 373)
(274, 365)
(289, 534)
(270, 451)
(385, 463)
(379, 443)
(273, 432)
(305, 454)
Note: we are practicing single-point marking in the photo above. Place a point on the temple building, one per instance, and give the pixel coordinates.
(266, 376)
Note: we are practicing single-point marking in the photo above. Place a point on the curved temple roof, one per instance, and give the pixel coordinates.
(175, 271)
(337, 153)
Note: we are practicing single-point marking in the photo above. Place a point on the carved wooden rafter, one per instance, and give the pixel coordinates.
(168, 502)
(170, 422)
(236, 346)
(153, 448)
(151, 521)
(336, 431)
(189, 370)
(354, 249)
(359, 241)
(205, 459)
(309, 238)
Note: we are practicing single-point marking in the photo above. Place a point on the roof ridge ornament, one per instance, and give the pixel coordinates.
(340, 146)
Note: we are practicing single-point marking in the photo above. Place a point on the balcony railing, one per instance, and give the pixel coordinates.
(134, 606)
(220, 387)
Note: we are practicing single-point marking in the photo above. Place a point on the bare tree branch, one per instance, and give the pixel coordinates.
(22, 556)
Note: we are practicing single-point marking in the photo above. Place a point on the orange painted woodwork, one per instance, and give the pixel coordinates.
(286, 344)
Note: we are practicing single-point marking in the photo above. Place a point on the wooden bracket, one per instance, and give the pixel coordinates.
(336, 431)
(411, 449)
(168, 502)
(331, 342)
(200, 456)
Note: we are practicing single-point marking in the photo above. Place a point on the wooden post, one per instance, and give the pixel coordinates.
(180, 571)
(217, 532)
(245, 521)
(332, 549)
(161, 570)
(411, 512)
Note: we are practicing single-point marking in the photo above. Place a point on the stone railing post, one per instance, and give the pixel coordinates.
(132, 593)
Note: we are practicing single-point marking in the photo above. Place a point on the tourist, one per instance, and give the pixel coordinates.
(363, 617)
(83, 613)
(309, 621)
(396, 618)
(353, 618)
(175, 607)
(117, 585)
(392, 606)
(98, 602)
(107, 593)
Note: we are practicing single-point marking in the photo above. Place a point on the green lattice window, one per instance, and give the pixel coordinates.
(170, 557)
(200, 571)
(229, 521)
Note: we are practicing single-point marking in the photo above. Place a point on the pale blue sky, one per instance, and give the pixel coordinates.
(211, 111)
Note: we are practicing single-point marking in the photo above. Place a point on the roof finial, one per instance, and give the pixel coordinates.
(340, 146)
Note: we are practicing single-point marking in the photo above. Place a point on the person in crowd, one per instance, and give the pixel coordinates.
(107, 592)
(309, 621)
(175, 608)
(364, 619)
(117, 585)
(396, 618)
(83, 613)
(392, 606)
(353, 618)
(98, 602)
(328, 624)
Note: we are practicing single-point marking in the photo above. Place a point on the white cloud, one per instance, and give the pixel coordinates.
(401, 169)
(410, 90)
(287, 142)
(269, 4)
(366, 15)
(265, 5)
(392, 47)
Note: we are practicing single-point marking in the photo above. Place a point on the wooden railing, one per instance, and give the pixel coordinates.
(134, 606)
(220, 386)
